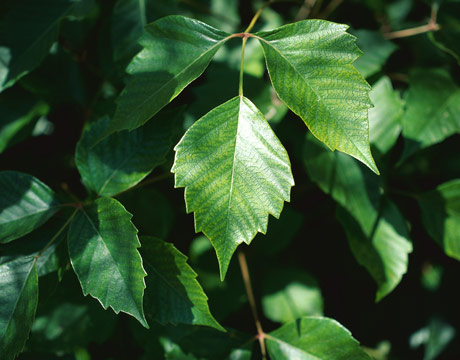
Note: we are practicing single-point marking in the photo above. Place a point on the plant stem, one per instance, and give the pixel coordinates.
(53, 239)
(334, 4)
(431, 26)
(243, 46)
(252, 302)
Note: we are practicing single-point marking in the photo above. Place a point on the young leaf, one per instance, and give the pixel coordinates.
(384, 252)
(103, 251)
(311, 338)
(35, 25)
(18, 303)
(441, 216)
(310, 66)
(121, 160)
(385, 117)
(25, 204)
(176, 50)
(433, 110)
(235, 172)
(173, 294)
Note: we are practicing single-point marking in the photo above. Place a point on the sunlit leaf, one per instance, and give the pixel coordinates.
(235, 173)
(310, 66)
(176, 50)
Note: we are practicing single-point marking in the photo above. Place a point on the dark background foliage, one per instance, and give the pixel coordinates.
(79, 81)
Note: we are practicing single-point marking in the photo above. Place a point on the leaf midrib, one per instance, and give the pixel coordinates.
(292, 346)
(316, 94)
(110, 253)
(31, 214)
(153, 94)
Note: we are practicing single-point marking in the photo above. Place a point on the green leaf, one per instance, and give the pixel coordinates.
(18, 303)
(20, 112)
(289, 294)
(376, 231)
(435, 337)
(121, 160)
(310, 66)
(103, 251)
(173, 294)
(433, 109)
(235, 172)
(35, 26)
(176, 50)
(312, 338)
(441, 216)
(383, 252)
(376, 51)
(53, 258)
(385, 117)
(25, 204)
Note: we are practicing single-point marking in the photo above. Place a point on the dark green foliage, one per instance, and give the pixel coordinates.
(118, 118)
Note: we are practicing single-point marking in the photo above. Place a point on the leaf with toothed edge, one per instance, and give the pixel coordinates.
(310, 66)
(235, 173)
(103, 252)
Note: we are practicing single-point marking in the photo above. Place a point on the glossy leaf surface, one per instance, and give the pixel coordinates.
(433, 109)
(35, 26)
(121, 160)
(312, 338)
(173, 294)
(176, 50)
(25, 204)
(103, 251)
(441, 216)
(310, 66)
(18, 303)
(235, 172)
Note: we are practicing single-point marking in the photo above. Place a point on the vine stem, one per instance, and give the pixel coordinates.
(53, 239)
(252, 302)
(431, 26)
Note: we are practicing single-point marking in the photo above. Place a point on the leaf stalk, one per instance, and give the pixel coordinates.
(243, 46)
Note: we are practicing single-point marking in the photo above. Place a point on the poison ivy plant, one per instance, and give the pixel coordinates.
(108, 106)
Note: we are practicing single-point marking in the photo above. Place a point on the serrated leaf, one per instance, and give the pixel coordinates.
(384, 252)
(25, 204)
(375, 229)
(18, 303)
(312, 338)
(121, 160)
(376, 51)
(176, 50)
(289, 294)
(310, 66)
(173, 294)
(385, 117)
(235, 173)
(432, 109)
(35, 25)
(441, 216)
(103, 251)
